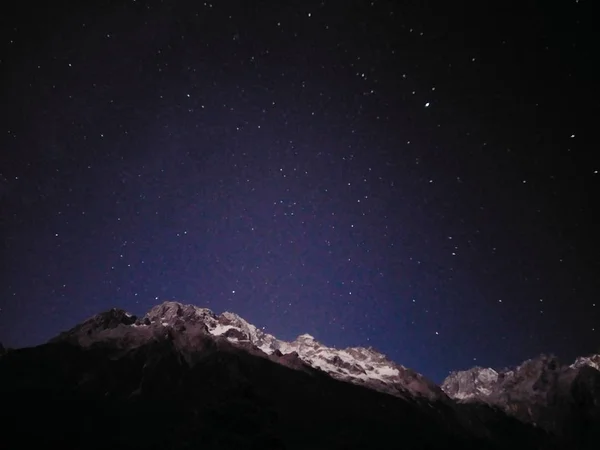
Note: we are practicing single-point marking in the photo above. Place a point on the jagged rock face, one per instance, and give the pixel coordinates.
(592, 361)
(533, 378)
(476, 382)
(111, 326)
(363, 366)
(172, 313)
(540, 391)
(189, 325)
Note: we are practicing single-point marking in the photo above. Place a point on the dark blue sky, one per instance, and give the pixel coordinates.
(415, 178)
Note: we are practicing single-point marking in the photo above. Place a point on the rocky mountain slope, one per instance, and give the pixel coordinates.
(184, 377)
(561, 399)
(358, 365)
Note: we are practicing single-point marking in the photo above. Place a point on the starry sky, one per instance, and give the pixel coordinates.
(413, 176)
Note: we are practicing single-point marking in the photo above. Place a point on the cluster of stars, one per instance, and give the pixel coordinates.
(337, 177)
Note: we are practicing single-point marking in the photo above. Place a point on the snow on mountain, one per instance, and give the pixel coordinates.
(529, 379)
(559, 399)
(361, 365)
(476, 382)
(591, 361)
(540, 391)
(357, 365)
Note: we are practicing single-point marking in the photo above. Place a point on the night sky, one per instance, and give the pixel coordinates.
(414, 176)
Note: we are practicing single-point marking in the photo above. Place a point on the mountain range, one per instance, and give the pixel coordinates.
(183, 377)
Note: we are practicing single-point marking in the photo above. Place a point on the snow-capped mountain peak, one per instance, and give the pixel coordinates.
(168, 313)
(357, 365)
(305, 337)
(476, 382)
(237, 329)
(537, 391)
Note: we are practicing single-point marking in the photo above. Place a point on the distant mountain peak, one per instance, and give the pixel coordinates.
(305, 337)
(171, 311)
(539, 390)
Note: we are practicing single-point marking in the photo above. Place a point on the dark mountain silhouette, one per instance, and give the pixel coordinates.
(182, 377)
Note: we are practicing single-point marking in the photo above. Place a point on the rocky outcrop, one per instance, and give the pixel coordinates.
(562, 399)
(473, 383)
(109, 326)
(592, 360)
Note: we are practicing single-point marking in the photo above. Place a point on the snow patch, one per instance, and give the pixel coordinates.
(220, 329)
(488, 376)
(266, 349)
(461, 395)
(388, 371)
(306, 336)
(485, 391)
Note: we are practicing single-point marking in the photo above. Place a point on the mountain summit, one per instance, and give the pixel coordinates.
(183, 377)
(363, 366)
(562, 399)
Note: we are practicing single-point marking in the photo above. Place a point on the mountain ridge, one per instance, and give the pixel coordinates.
(210, 370)
(358, 365)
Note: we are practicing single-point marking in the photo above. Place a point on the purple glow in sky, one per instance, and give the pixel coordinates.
(415, 179)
